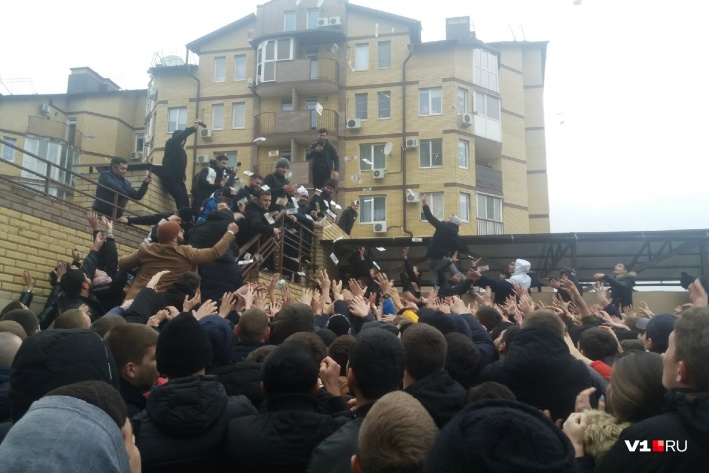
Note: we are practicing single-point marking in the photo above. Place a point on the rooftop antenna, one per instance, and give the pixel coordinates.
(513, 33)
(524, 37)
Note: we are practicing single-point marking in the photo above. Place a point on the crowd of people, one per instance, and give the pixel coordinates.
(166, 360)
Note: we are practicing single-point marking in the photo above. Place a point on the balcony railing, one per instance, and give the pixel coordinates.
(39, 126)
(490, 227)
(297, 121)
(488, 178)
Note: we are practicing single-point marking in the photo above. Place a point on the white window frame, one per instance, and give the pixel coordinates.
(217, 116)
(482, 207)
(427, 152)
(139, 142)
(361, 108)
(488, 116)
(263, 59)
(220, 69)
(384, 60)
(8, 154)
(239, 61)
(462, 100)
(463, 154)
(384, 97)
(287, 104)
(464, 207)
(374, 153)
(361, 57)
(176, 118)
(313, 25)
(290, 15)
(429, 97)
(370, 206)
(238, 115)
(436, 203)
(485, 69)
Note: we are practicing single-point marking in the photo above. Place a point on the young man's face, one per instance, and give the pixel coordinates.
(329, 189)
(265, 201)
(619, 269)
(146, 373)
(282, 171)
(256, 183)
(322, 137)
(120, 169)
(221, 164)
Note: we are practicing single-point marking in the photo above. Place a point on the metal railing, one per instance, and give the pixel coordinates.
(47, 184)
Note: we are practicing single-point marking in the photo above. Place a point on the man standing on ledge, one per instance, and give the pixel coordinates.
(114, 182)
(172, 173)
(324, 161)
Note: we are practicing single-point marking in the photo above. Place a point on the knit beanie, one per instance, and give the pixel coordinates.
(339, 324)
(183, 347)
(167, 231)
(496, 435)
(221, 337)
(283, 163)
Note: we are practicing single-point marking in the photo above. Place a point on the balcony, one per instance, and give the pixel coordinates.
(308, 76)
(60, 131)
(280, 127)
(488, 179)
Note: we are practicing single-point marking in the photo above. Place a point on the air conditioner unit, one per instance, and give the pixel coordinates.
(412, 197)
(378, 173)
(203, 159)
(44, 107)
(323, 22)
(412, 143)
(206, 133)
(252, 83)
(354, 123)
(136, 156)
(466, 119)
(379, 227)
(335, 21)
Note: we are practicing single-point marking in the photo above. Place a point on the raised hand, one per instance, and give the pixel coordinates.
(60, 270)
(208, 308)
(190, 303)
(229, 300)
(29, 280)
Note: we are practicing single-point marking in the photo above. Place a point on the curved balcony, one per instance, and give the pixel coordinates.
(280, 127)
(308, 76)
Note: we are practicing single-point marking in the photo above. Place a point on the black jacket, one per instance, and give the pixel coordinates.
(686, 420)
(347, 219)
(319, 203)
(207, 181)
(241, 379)
(111, 184)
(621, 288)
(324, 161)
(184, 424)
(502, 288)
(442, 397)
(174, 163)
(254, 223)
(4, 394)
(276, 183)
(540, 371)
(281, 440)
(242, 349)
(133, 397)
(445, 240)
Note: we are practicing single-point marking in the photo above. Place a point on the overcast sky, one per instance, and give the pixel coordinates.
(626, 91)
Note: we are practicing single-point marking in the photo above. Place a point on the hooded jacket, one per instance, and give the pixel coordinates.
(207, 181)
(175, 160)
(183, 426)
(540, 371)
(520, 276)
(445, 240)
(686, 421)
(442, 397)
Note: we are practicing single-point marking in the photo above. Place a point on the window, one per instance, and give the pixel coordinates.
(240, 67)
(176, 119)
(464, 212)
(384, 54)
(430, 102)
(313, 17)
(218, 116)
(372, 208)
(289, 21)
(462, 101)
(361, 57)
(384, 104)
(268, 54)
(431, 153)
(489, 215)
(139, 141)
(487, 116)
(361, 106)
(287, 105)
(238, 115)
(220, 69)
(435, 203)
(8, 154)
(374, 154)
(485, 69)
(463, 147)
(56, 153)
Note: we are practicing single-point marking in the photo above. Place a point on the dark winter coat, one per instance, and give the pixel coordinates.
(502, 288)
(621, 288)
(241, 379)
(4, 393)
(254, 223)
(276, 183)
(442, 397)
(281, 440)
(242, 349)
(325, 161)
(207, 181)
(133, 397)
(347, 219)
(184, 424)
(540, 371)
(445, 240)
(111, 184)
(174, 163)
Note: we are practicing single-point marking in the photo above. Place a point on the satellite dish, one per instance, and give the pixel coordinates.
(387, 148)
(320, 2)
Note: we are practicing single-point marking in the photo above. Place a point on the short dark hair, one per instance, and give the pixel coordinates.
(100, 394)
(117, 161)
(255, 176)
(692, 344)
(26, 318)
(315, 345)
(289, 369)
(130, 342)
(259, 355)
(222, 157)
(510, 334)
(377, 361)
(499, 328)
(488, 316)
(489, 390)
(322, 130)
(72, 318)
(72, 281)
(253, 324)
(598, 344)
(547, 318)
(463, 360)
(340, 349)
(426, 350)
(104, 324)
(12, 306)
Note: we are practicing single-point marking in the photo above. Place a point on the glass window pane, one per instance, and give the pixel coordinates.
(361, 106)
(270, 50)
(8, 154)
(493, 107)
(384, 54)
(436, 102)
(423, 102)
(284, 46)
(365, 153)
(379, 209)
(379, 161)
(437, 153)
(313, 17)
(384, 104)
(240, 67)
(362, 57)
(219, 69)
(238, 115)
(289, 21)
(425, 154)
(463, 154)
(217, 116)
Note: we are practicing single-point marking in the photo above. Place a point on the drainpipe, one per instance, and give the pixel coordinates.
(403, 138)
(196, 114)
